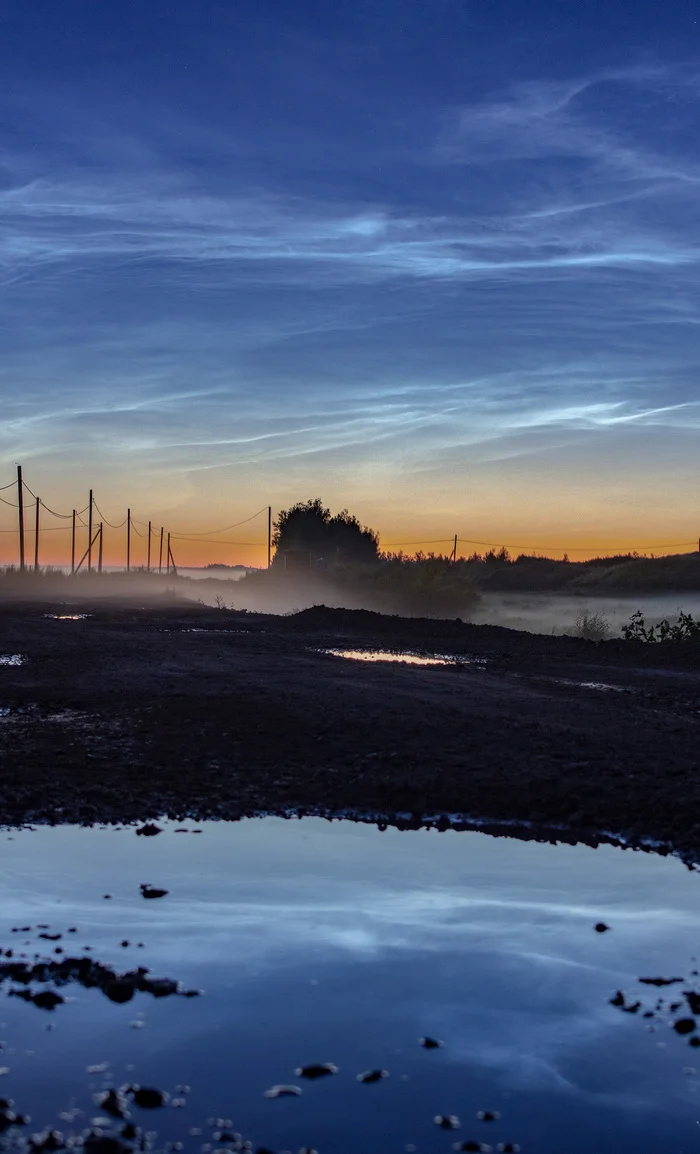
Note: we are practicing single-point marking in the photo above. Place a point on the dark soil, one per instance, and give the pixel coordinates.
(128, 716)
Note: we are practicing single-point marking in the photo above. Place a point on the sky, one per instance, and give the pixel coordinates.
(435, 261)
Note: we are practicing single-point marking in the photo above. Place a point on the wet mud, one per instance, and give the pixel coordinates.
(131, 714)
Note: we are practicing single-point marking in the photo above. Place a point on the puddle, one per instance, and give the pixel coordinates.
(12, 659)
(603, 686)
(332, 960)
(403, 658)
(68, 616)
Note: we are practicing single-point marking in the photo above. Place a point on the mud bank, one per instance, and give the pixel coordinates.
(128, 714)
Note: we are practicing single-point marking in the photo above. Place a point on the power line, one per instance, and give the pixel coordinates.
(12, 504)
(197, 541)
(10, 486)
(119, 526)
(213, 532)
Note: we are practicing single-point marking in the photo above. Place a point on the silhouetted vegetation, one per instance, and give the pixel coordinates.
(309, 527)
(686, 628)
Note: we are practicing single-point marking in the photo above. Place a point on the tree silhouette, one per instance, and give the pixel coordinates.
(310, 527)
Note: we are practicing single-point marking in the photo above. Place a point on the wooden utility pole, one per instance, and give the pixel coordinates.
(160, 555)
(171, 559)
(72, 547)
(36, 537)
(90, 535)
(148, 560)
(269, 534)
(99, 555)
(128, 540)
(20, 506)
(454, 551)
(167, 570)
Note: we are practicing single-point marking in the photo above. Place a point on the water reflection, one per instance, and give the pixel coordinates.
(12, 659)
(318, 942)
(403, 658)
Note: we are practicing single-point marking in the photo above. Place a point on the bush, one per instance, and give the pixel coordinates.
(592, 626)
(685, 629)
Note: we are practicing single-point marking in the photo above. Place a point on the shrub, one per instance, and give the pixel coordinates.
(592, 626)
(684, 629)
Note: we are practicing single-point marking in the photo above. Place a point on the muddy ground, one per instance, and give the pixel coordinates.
(128, 715)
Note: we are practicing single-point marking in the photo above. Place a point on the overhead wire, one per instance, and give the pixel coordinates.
(112, 526)
(225, 529)
(12, 504)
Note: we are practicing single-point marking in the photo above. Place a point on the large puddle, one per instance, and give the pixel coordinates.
(318, 943)
(407, 657)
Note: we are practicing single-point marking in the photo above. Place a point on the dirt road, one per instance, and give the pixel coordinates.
(135, 712)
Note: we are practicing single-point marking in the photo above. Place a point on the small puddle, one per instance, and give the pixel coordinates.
(67, 616)
(12, 659)
(327, 986)
(403, 658)
(602, 686)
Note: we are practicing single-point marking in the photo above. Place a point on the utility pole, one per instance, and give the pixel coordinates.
(90, 535)
(72, 547)
(99, 555)
(20, 506)
(128, 540)
(148, 561)
(171, 559)
(36, 537)
(269, 534)
(160, 555)
(167, 571)
(454, 551)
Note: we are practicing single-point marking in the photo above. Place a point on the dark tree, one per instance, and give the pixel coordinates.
(310, 527)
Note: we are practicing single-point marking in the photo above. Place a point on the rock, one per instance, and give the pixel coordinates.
(152, 892)
(321, 1070)
(148, 830)
(283, 1092)
(431, 1043)
(147, 1097)
(370, 1076)
(447, 1121)
(684, 1025)
(488, 1115)
(47, 1000)
(601, 928)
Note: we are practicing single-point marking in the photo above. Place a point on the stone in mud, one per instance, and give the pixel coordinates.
(283, 1092)
(148, 891)
(508, 1147)
(488, 1115)
(104, 1144)
(119, 992)
(684, 1025)
(112, 1102)
(51, 937)
(601, 928)
(47, 1000)
(693, 1001)
(659, 981)
(148, 830)
(370, 1076)
(317, 1070)
(8, 1117)
(431, 1043)
(47, 1140)
(147, 1097)
(472, 1147)
(447, 1121)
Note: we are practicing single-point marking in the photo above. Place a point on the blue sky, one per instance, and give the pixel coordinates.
(436, 261)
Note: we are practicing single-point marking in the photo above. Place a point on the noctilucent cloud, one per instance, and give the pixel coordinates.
(435, 260)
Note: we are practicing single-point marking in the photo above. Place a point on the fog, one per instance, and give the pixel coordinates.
(284, 593)
(557, 612)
